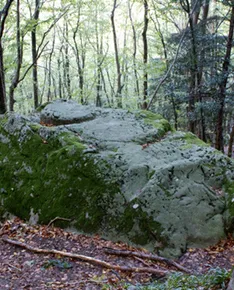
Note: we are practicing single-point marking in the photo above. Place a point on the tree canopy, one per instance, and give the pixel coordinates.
(173, 57)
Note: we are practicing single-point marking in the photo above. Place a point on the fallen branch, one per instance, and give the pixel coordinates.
(157, 272)
(148, 256)
(57, 219)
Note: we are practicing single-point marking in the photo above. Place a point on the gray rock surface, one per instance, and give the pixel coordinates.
(231, 283)
(127, 175)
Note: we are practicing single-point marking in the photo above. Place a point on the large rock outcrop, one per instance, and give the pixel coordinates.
(124, 175)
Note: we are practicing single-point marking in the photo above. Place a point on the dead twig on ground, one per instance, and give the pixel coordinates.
(157, 272)
(57, 219)
(148, 256)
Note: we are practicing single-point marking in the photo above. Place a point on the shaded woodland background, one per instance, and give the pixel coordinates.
(173, 57)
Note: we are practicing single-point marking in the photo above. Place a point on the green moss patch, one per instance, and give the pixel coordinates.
(155, 120)
(53, 180)
(189, 140)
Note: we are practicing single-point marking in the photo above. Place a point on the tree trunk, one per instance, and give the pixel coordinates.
(3, 16)
(104, 88)
(15, 79)
(67, 64)
(3, 106)
(222, 86)
(137, 89)
(202, 125)
(49, 97)
(145, 55)
(34, 53)
(230, 145)
(59, 78)
(159, 31)
(99, 50)
(194, 81)
(119, 85)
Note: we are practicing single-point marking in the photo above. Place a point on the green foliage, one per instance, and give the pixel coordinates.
(60, 264)
(215, 279)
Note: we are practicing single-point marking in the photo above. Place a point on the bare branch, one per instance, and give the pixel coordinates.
(157, 272)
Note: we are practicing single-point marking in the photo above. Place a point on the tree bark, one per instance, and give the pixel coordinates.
(137, 87)
(230, 145)
(49, 97)
(3, 105)
(222, 86)
(159, 31)
(3, 16)
(99, 51)
(80, 61)
(67, 64)
(59, 78)
(19, 42)
(119, 84)
(145, 55)
(34, 53)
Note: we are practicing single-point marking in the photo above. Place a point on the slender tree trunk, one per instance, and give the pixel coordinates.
(145, 55)
(202, 129)
(230, 145)
(137, 89)
(99, 50)
(119, 84)
(3, 16)
(159, 31)
(194, 71)
(64, 74)
(15, 79)
(80, 58)
(99, 80)
(3, 105)
(34, 53)
(124, 64)
(194, 81)
(104, 88)
(59, 78)
(67, 64)
(222, 86)
(50, 70)
(44, 82)
(111, 87)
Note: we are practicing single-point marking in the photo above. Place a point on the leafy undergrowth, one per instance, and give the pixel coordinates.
(21, 268)
(215, 279)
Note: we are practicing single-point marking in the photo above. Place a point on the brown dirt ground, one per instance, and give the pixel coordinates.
(22, 269)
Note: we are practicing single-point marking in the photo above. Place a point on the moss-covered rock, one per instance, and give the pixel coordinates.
(121, 174)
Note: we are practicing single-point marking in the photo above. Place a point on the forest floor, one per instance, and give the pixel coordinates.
(23, 268)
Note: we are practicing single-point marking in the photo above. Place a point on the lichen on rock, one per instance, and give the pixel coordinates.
(125, 175)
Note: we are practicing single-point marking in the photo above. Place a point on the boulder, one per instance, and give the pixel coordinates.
(231, 283)
(125, 175)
